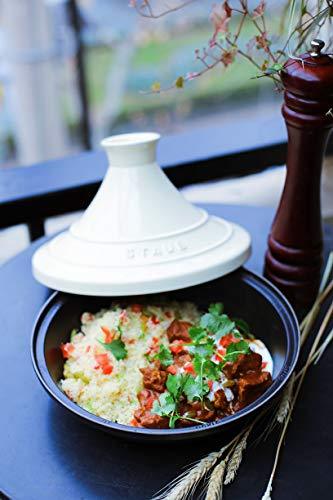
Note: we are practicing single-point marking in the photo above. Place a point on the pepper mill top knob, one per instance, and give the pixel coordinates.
(310, 75)
(317, 46)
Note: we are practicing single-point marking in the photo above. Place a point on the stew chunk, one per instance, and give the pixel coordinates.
(154, 378)
(178, 330)
(252, 385)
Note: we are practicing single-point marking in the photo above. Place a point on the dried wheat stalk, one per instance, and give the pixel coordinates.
(236, 457)
(285, 404)
(188, 481)
(215, 485)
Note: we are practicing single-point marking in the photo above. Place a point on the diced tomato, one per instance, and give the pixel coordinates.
(217, 358)
(88, 348)
(176, 347)
(172, 369)
(107, 369)
(151, 350)
(155, 320)
(108, 335)
(102, 359)
(136, 308)
(134, 422)
(149, 402)
(67, 349)
(221, 351)
(188, 367)
(103, 362)
(168, 314)
(264, 365)
(227, 339)
(155, 340)
(210, 384)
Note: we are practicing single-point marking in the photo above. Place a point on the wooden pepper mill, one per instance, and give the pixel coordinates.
(294, 256)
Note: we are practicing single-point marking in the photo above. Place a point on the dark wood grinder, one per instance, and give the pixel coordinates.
(294, 256)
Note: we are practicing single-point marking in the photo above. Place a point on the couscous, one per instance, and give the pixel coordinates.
(164, 365)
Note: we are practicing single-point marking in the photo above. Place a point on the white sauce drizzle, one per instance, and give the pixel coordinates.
(259, 347)
(256, 346)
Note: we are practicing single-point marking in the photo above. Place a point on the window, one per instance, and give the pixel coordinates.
(123, 55)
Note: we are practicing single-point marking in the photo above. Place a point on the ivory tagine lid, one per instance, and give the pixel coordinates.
(139, 235)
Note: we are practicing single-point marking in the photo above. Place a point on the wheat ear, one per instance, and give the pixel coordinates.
(236, 457)
(184, 484)
(215, 485)
(285, 404)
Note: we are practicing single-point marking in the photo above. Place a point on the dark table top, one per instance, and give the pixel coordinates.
(45, 453)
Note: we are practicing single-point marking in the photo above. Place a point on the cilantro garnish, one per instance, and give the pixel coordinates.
(225, 326)
(213, 325)
(197, 333)
(167, 403)
(175, 384)
(164, 356)
(243, 327)
(117, 347)
(235, 349)
(203, 349)
(208, 368)
(216, 322)
(216, 309)
(195, 388)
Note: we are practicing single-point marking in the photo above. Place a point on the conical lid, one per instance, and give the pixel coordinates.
(139, 235)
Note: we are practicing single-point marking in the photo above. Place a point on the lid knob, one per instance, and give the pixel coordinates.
(317, 46)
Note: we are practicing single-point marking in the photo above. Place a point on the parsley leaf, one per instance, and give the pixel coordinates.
(195, 388)
(174, 384)
(203, 350)
(117, 347)
(225, 326)
(216, 309)
(197, 333)
(207, 368)
(216, 322)
(243, 327)
(164, 406)
(235, 349)
(210, 322)
(165, 356)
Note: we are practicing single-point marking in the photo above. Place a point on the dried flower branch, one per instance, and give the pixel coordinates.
(305, 18)
(145, 8)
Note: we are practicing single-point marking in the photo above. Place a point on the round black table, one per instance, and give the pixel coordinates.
(45, 453)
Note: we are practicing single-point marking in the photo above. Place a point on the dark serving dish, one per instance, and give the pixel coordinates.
(244, 295)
